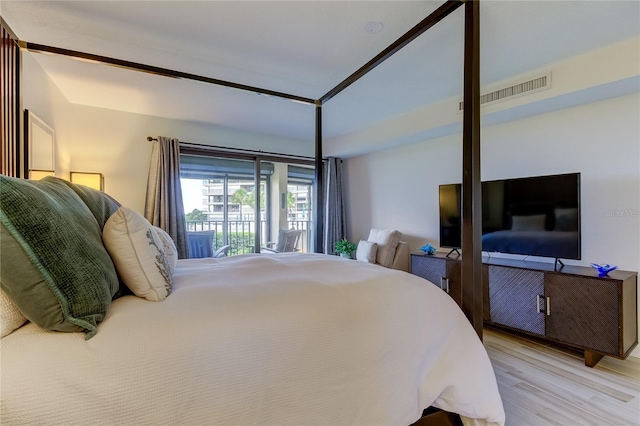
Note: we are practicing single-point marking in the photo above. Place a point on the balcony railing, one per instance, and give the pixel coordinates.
(241, 234)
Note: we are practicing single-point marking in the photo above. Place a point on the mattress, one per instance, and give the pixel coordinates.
(286, 339)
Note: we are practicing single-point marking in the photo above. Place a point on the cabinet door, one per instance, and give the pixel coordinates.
(453, 283)
(584, 311)
(430, 268)
(513, 297)
(486, 302)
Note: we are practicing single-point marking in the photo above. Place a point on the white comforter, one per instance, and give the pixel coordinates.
(287, 339)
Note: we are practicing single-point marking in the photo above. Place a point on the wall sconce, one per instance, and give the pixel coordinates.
(39, 174)
(92, 180)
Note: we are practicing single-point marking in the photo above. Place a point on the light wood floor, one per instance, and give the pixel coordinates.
(542, 384)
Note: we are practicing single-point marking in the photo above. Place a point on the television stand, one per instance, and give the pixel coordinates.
(555, 264)
(452, 250)
(572, 306)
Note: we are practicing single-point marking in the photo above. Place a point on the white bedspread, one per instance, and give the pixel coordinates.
(286, 339)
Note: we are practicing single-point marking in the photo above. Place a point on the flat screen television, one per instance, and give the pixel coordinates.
(535, 216)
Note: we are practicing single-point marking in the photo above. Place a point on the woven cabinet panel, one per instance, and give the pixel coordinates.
(512, 298)
(584, 312)
(431, 269)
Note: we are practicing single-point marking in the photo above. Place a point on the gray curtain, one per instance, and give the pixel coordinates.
(334, 217)
(163, 204)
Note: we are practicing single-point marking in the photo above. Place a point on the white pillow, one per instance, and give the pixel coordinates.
(10, 316)
(170, 249)
(138, 253)
(528, 223)
(366, 251)
(387, 240)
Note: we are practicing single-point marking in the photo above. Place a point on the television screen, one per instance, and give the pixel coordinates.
(450, 216)
(536, 216)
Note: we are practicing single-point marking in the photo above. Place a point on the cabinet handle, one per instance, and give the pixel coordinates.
(444, 284)
(539, 304)
(548, 306)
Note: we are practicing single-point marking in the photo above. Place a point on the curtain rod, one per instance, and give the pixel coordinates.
(239, 150)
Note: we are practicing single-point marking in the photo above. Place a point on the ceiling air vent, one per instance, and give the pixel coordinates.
(532, 85)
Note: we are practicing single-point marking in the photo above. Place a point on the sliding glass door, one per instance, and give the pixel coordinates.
(223, 200)
(300, 181)
(220, 197)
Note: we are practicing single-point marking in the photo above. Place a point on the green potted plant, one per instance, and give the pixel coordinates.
(344, 248)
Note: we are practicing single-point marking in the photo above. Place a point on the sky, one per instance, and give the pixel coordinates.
(191, 194)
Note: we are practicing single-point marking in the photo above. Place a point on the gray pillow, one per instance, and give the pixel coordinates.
(54, 265)
(566, 219)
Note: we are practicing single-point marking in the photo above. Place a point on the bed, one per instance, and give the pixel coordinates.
(544, 243)
(259, 339)
(287, 338)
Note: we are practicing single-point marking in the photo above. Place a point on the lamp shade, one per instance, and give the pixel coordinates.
(92, 180)
(39, 174)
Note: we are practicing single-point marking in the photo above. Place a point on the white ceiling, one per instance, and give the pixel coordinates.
(303, 48)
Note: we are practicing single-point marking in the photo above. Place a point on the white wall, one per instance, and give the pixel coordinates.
(43, 98)
(398, 188)
(601, 74)
(114, 143)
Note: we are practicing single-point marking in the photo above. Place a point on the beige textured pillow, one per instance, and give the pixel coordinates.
(366, 251)
(10, 316)
(387, 240)
(138, 253)
(169, 246)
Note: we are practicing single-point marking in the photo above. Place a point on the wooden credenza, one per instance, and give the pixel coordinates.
(572, 306)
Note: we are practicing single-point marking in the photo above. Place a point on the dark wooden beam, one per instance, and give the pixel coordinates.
(428, 22)
(472, 302)
(33, 47)
(14, 160)
(318, 194)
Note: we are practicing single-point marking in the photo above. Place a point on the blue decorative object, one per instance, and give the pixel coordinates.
(603, 270)
(428, 249)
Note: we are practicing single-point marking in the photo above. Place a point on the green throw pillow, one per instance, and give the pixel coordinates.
(54, 265)
(101, 205)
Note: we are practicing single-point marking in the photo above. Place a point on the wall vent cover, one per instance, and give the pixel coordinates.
(531, 85)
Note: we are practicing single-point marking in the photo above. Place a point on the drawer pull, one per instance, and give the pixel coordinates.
(548, 306)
